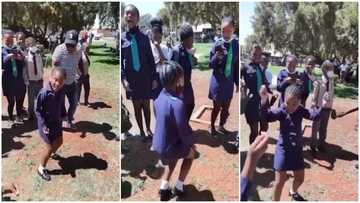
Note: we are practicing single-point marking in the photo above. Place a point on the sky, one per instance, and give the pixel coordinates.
(246, 12)
(151, 7)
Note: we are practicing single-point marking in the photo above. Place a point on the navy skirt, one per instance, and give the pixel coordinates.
(55, 131)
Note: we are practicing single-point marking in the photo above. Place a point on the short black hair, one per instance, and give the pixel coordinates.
(256, 45)
(291, 56)
(20, 33)
(169, 73)
(156, 24)
(266, 54)
(185, 31)
(294, 90)
(132, 8)
(60, 70)
(310, 57)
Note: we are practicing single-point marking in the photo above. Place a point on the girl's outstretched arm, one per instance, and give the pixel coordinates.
(257, 149)
(270, 115)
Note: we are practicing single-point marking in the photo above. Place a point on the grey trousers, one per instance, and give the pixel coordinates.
(320, 127)
(33, 90)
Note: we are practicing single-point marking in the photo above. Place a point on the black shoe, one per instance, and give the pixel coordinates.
(30, 118)
(313, 151)
(296, 197)
(55, 156)
(143, 137)
(44, 175)
(222, 130)
(213, 132)
(178, 192)
(165, 195)
(322, 149)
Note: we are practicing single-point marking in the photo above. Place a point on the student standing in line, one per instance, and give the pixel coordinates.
(287, 76)
(224, 61)
(160, 52)
(33, 74)
(12, 77)
(138, 72)
(308, 78)
(184, 55)
(253, 78)
(323, 96)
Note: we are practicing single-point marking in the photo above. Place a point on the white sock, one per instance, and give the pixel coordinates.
(164, 185)
(179, 185)
(292, 191)
(41, 169)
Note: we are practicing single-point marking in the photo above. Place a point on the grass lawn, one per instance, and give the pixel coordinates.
(105, 68)
(349, 90)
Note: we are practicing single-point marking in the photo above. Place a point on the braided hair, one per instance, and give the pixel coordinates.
(170, 72)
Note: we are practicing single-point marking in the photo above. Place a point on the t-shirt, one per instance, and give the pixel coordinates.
(69, 62)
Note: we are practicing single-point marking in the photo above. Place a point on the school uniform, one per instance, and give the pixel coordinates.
(282, 84)
(185, 59)
(13, 84)
(166, 53)
(289, 147)
(173, 136)
(22, 48)
(307, 86)
(323, 96)
(254, 78)
(225, 71)
(49, 113)
(245, 186)
(33, 77)
(137, 64)
(267, 74)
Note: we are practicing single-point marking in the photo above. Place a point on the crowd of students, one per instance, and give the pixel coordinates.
(294, 89)
(153, 71)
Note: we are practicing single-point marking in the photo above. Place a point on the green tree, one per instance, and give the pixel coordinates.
(303, 28)
(40, 18)
(199, 12)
